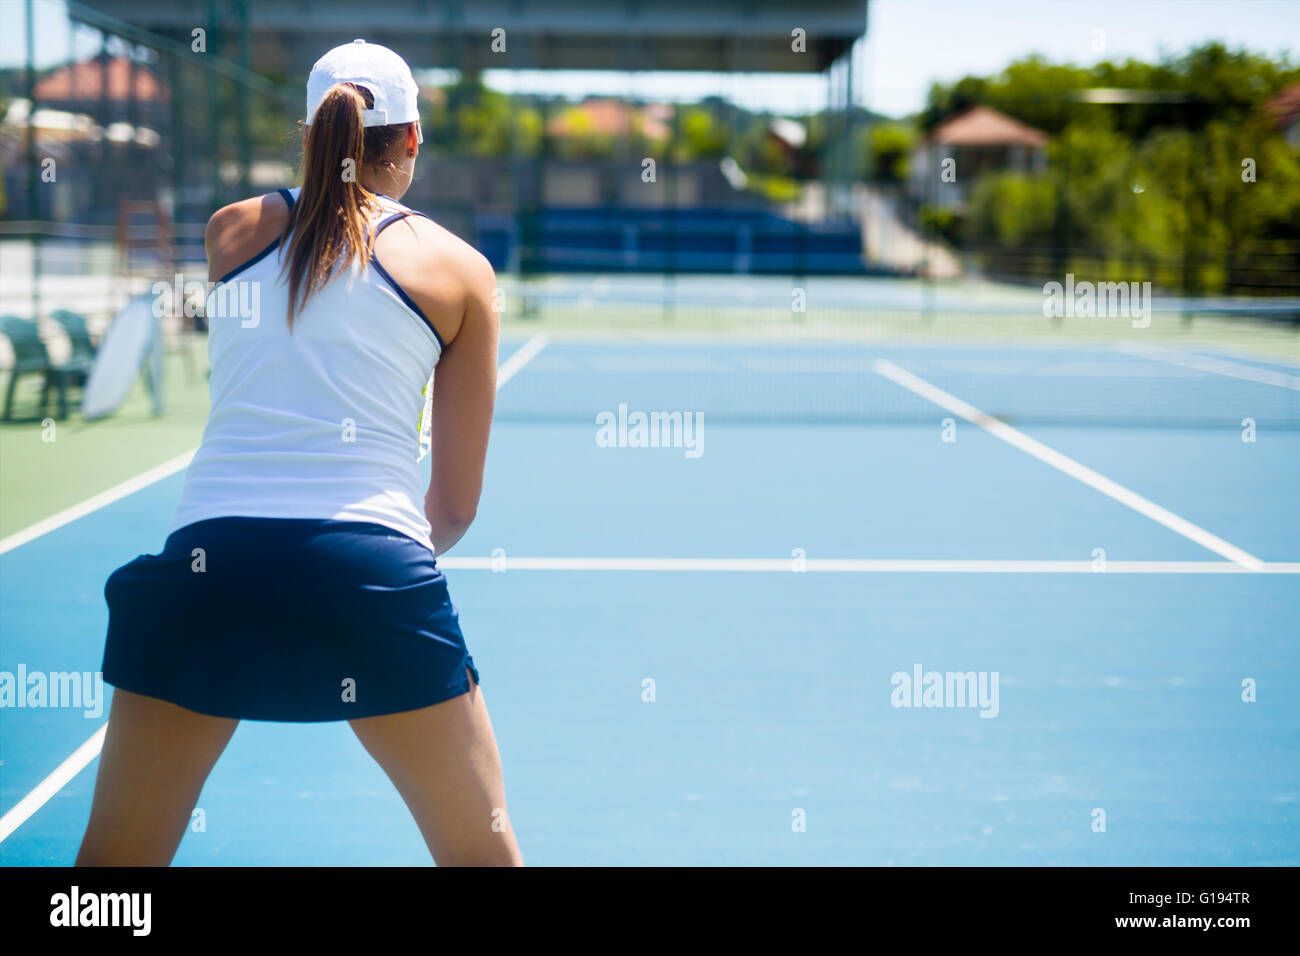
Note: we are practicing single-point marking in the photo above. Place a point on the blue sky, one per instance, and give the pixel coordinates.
(910, 44)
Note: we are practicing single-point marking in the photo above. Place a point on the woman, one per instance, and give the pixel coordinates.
(298, 582)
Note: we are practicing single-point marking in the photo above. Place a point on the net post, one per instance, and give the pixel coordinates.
(154, 366)
(33, 167)
(670, 225)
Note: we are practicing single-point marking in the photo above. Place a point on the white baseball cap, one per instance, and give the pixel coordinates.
(379, 70)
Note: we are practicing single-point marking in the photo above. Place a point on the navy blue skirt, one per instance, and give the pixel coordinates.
(286, 619)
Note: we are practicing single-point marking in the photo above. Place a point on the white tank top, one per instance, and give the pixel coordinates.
(322, 422)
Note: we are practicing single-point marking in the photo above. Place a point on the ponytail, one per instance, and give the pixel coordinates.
(326, 231)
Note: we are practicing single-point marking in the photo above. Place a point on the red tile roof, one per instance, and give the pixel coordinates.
(83, 81)
(981, 126)
(613, 118)
(1286, 105)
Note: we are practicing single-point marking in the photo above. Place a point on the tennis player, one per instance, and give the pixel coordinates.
(298, 581)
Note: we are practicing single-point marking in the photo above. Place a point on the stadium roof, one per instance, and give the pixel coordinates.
(744, 35)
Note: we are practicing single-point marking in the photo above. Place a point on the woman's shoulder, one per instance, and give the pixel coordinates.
(251, 212)
(239, 231)
(419, 245)
(442, 273)
(420, 239)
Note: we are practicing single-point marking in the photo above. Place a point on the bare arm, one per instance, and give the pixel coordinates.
(464, 395)
(237, 232)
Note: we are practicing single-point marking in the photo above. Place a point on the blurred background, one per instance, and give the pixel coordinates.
(913, 169)
(845, 233)
(645, 146)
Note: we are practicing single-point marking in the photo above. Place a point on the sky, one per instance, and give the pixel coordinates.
(910, 44)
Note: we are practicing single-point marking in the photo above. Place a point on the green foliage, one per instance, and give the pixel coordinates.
(781, 189)
(1150, 190)
(702, 136)
(477, 121)
(889, 147)
(1210, 81)
(942, 222)
(582, 139)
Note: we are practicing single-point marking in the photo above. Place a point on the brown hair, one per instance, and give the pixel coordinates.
(326, 230)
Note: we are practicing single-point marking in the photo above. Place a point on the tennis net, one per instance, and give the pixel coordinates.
(736, 351)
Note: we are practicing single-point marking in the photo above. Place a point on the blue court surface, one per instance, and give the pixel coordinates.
(692, 658)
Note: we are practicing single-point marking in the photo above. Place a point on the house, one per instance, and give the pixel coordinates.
(1285, 110)
(110, 88)
(787, 138)
(613, 119)
(84, 112)
(948, 162)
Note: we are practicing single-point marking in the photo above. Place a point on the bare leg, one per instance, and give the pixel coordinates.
(155, 761)
(443, 760)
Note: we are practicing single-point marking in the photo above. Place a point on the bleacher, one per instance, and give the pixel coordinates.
(630, 239)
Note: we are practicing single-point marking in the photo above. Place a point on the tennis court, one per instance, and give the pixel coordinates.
(1077, 520)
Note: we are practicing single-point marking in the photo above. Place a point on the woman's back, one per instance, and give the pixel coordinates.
(321, 420)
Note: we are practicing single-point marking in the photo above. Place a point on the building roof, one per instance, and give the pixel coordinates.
(1285, 107)
(612, 118)
(790, 132)
(982, 126)
(746, 36)
(85, 81)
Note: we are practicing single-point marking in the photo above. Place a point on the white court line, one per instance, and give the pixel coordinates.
(1205, 363)
(1268, 358)
(116, 493)
(527, 352)
(89, 750)
(1067, 465)
(861, 565)
(52, 784)
(507, 371)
